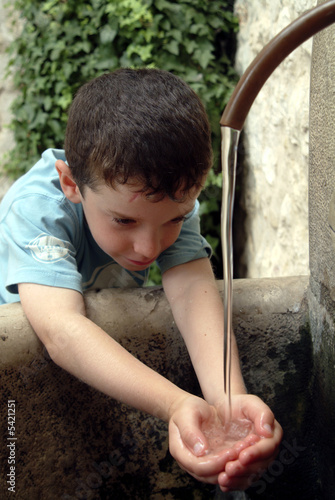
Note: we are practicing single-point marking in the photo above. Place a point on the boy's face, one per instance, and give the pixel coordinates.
(132, 229)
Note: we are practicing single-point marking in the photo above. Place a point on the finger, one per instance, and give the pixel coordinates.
(261, 415)
(249, 440)
(187, 426)
(206, 466)
(236, 469)
(228, 483)
(243, 477)
(265, 449)
(192, 437)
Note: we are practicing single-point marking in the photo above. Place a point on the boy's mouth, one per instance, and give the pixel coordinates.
(142, 263)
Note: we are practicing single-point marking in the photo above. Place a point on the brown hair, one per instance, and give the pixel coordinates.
(146, 125)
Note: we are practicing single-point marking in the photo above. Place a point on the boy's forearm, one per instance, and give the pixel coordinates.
(103, 363)
(198, 312)
(87, 352)
(204, 339)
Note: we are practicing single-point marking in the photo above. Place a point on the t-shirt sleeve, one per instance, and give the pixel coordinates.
(40, 248)
(190, 244)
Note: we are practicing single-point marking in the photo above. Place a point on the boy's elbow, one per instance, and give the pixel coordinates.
(53, 313)
(60, 338)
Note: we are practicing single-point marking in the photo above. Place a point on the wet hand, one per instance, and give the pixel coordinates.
(232, 455)
(255, 457)
(189, 445)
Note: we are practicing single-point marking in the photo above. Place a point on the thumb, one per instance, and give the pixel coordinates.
(193, 437)
(195, 441)
(189, 423)
(262, 417)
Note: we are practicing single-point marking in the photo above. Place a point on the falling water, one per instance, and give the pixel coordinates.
(229, 143)
(225, 434)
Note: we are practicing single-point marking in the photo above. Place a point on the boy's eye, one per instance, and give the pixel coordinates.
(178, 220)
(123, 222)
(126, 222)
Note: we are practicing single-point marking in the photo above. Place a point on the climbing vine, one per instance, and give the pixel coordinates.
(64, 43)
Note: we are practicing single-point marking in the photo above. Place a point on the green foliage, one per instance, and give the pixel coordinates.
(65, 43)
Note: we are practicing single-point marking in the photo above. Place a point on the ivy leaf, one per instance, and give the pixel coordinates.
(190, 46)
(177, 35)
(109, 32)
(47, 103)
(173, 47)
(204, 53)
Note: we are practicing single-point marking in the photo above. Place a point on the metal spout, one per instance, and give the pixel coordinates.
(270, 57)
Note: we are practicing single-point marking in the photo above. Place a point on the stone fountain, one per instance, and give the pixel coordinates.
(73, 442)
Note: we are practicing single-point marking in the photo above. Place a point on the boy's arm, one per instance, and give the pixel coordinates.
(82, 348)
(198, 311)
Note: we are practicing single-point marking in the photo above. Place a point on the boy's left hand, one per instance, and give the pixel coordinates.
(253, 459)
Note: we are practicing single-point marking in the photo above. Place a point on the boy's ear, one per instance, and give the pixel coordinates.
(68, 185)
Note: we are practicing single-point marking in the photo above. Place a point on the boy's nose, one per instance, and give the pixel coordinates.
(147, 247)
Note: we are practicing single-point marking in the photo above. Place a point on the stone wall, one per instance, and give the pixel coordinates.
(74, 442)
(276, 135)
(322, 249)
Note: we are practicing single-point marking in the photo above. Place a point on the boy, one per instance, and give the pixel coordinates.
(121, 196)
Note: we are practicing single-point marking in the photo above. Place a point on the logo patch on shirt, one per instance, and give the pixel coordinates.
(48, 249)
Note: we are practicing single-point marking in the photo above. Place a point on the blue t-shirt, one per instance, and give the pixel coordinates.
(44, 239)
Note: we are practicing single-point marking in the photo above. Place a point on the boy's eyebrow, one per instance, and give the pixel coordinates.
(118, 215)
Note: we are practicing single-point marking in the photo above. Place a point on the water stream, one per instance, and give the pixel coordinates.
(225, 434)
(229, 143)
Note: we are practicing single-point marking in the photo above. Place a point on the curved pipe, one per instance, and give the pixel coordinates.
(270, 57)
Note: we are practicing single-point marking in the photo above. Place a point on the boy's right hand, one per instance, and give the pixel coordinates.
(188, 444)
